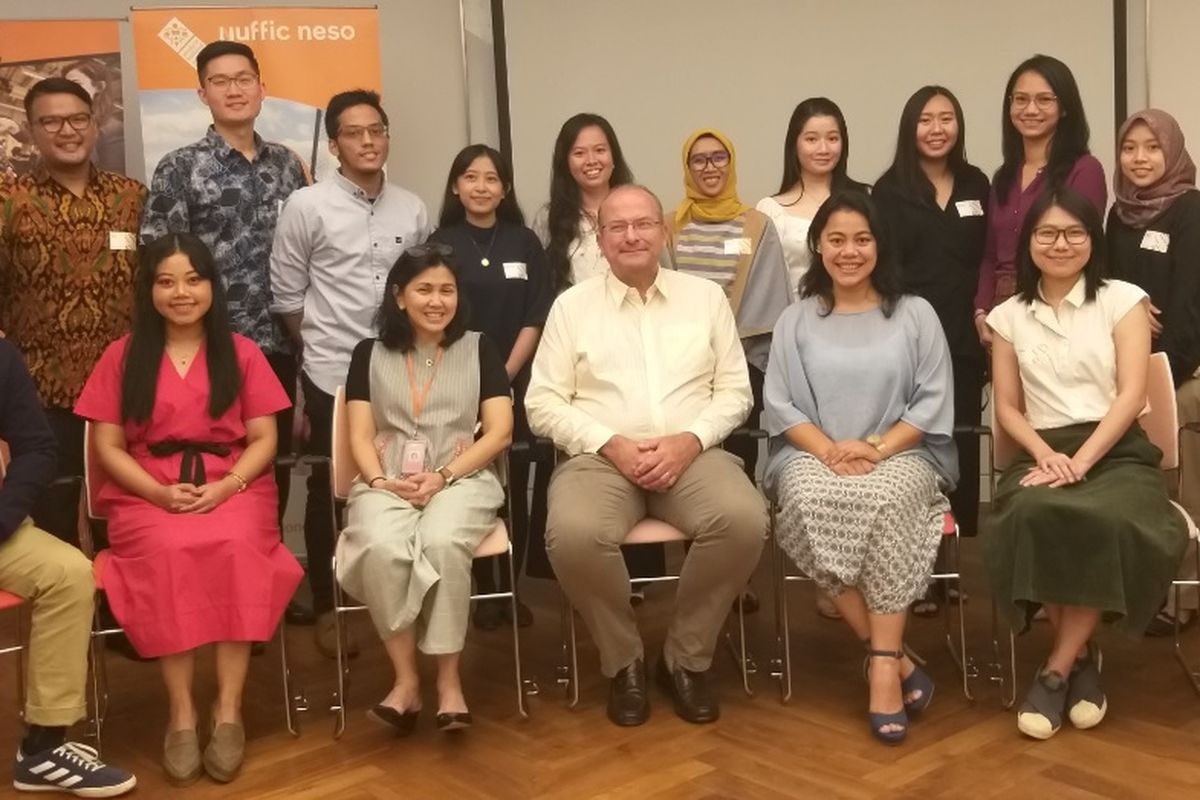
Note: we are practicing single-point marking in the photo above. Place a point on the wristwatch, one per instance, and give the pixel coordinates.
(447, 475)
(876, 441)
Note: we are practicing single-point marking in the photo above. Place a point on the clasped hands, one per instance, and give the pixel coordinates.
(851, 457)
(188, 498)
(653, 464)
(1056, 469)
(417, 489)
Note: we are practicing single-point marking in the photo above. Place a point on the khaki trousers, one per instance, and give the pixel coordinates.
(57, 580)
(592, 507)
(1187, 398)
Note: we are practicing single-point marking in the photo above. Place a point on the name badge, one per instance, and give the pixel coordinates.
(969, 208)
(737, 247)
(412, 456)
(121, 240)
(516, 270)
(1156, 241)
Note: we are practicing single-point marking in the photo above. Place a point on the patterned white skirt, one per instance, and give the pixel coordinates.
(878, 533)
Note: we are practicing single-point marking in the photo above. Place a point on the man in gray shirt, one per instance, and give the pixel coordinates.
(334, 245)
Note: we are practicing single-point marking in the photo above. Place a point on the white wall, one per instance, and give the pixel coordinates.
(1174, 64)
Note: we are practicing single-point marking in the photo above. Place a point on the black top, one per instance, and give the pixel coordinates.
(493, 380)
(30, 441)
(514, 291)
(1172, 279)
(939, 250)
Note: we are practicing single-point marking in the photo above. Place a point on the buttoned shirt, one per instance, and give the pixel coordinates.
(1068, 359)
(66, 274)
(210, 189)
(584, 253)
(333, 249)
(611, 362)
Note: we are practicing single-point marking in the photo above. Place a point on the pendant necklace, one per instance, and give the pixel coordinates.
(483, 254)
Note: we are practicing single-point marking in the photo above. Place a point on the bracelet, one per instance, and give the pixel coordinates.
(371, 483)
(242, 484)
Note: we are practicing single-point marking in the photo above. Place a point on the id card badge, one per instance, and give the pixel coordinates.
(412, 456)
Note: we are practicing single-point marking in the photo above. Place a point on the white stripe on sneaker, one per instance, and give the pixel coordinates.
(58, 773)
(67, 783)
(42, 767)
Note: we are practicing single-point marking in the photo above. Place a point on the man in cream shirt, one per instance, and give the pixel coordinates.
(638, 378)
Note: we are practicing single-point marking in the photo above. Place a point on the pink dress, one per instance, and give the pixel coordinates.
(178, 581)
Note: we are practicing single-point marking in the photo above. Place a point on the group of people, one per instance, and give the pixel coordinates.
(853, 324)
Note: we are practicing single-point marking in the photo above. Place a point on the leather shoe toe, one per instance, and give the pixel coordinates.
(627, 701)
(693, 697)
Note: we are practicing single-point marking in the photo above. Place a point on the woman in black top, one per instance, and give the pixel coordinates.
(935, 202)
(1154, 242)
(505, 278)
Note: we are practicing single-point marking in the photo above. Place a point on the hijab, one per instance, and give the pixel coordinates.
(1136, 206)
(697, 206)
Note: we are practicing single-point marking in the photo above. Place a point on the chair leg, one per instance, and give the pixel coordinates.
(343, 665)
(516, 635)
(292, 703)
(573, 653)
(22, 631)
(99, 695)
(1190, 672)
(956, 641)
(783, 639)
(997, 667)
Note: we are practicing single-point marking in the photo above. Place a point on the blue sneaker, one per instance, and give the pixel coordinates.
(71, 768)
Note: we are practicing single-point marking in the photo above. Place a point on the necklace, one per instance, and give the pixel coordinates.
(180, 359)
(483, 254)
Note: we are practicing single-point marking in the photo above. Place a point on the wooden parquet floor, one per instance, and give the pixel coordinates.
(816, 746)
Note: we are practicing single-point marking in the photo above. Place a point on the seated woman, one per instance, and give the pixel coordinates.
(860, 410)
(1080, 524)
(184, 426)
(427, 492)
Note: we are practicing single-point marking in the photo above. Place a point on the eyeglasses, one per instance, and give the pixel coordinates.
(640, 226)
(243, 81)
(1044, 102)
(78, 122)
(431, 249)
(1047, 236)
(357, 131)
(700, 161)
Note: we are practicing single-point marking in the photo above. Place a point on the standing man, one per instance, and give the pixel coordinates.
(639, 378)
(68, 239)
(334, 245)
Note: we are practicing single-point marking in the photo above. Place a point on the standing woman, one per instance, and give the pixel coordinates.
(934, 203)
(816, 150)
(587, 164)
(1044, 138)
(1154, 242)
(502, 272)
(716, 236)
(183, 412)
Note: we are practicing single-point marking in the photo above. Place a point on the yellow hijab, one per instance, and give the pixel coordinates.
(696, 206)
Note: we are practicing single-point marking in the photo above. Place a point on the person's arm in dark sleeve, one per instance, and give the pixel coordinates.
(30, 441)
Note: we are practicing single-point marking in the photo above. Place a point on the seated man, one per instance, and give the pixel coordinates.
(57, 580)
(638, 378)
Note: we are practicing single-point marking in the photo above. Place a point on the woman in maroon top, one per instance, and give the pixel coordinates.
(1045, 144)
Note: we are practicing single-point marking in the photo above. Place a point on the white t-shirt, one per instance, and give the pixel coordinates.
(586, 259)
(793, 234)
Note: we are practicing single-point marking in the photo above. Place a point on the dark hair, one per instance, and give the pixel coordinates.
(107, 101)
(566, 203)
(906, 170)
(1082, 209)
(806, 110)
(885, 278)
(1070, 138)
(220, 48)
(147, 341)
(344, 100)
(54, 86)
(395, 329)
(453, 211)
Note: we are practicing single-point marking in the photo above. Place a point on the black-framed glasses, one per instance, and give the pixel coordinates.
(78, 122)
(243, 81)
(1047, 235)
(357, 131)
(700, 161)
(1044, 101)
(426, 249)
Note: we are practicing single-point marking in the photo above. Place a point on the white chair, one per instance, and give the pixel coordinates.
(342, 473)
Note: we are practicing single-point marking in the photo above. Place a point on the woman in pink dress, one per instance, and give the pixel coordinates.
(184, 427)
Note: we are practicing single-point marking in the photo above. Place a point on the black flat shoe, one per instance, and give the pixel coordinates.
(453, 720)
(693, 697)
(402, 722)
(627, 701)
(489, 614)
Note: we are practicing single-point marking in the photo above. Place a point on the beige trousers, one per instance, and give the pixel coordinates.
(1187, 398)
(591, 509)
(57, 580)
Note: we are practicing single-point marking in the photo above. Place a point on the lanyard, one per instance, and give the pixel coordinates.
(418, 401)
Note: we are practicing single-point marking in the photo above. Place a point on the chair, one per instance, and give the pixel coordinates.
(342, 473)
(8, 600)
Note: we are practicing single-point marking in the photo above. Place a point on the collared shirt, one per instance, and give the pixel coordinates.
(612, 363)
(210, 189)
(586, 259)
(1068, 359)
(333, 249)
(66, 274)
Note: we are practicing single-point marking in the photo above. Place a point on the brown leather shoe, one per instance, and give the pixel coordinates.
(181, 757)
(693, 697)
(325, 636)
(225, 752)
(628, 703)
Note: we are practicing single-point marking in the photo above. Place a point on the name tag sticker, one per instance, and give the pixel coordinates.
(121, 240)
(516, 270)
(1157, 241)
(737, 247)
(969, 208)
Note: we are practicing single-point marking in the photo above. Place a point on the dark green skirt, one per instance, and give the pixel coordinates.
(1111, 542)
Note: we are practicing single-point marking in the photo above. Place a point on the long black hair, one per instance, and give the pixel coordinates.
(803, 112)
(453, 211)
(905, 170)
(566, 202)
(148, 339)
(1082, 209)
(885, 278)
(1070, 138)
(395, 328)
